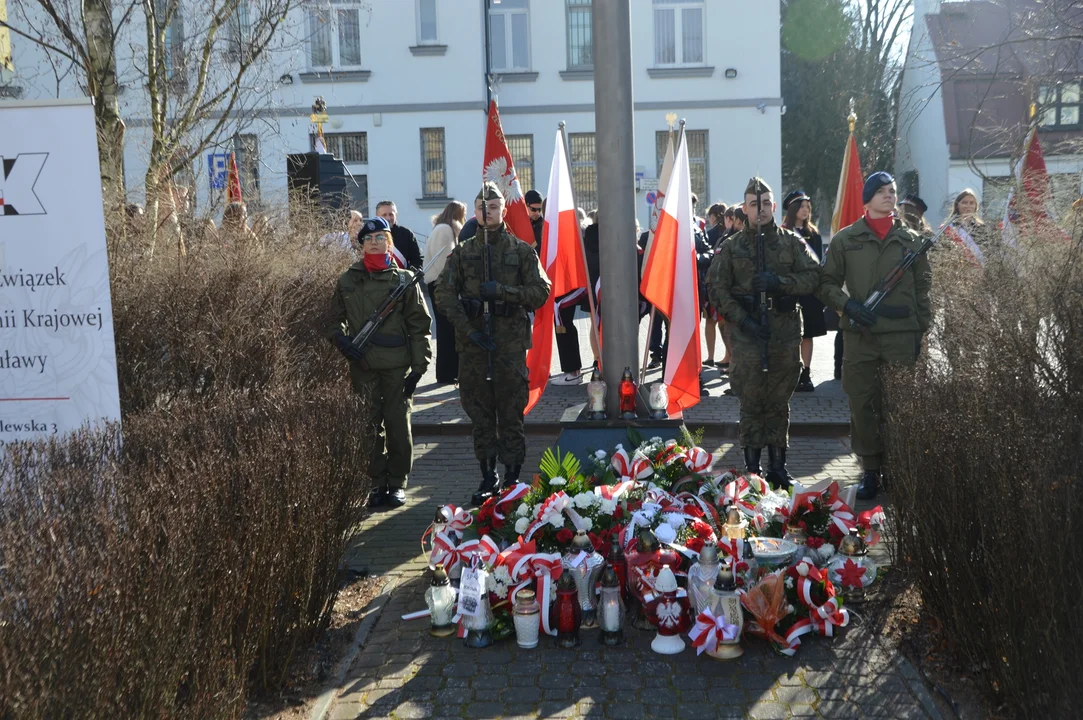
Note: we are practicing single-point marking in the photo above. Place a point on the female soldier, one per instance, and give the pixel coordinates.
(388, 369)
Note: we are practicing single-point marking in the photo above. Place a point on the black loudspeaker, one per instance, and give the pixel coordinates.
(320, 176)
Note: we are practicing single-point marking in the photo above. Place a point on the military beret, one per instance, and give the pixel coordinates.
(792, 197)
(876, 181)
(916, 202)
(374, 225)
(757, 186)
(489, 191)
(532, 197)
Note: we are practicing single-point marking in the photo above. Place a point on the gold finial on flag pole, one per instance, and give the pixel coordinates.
(852, 117)
(671, 120)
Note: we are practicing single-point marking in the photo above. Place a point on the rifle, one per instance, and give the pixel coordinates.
(487, 275)
(376, 320)
(761, 266)
(889, 281)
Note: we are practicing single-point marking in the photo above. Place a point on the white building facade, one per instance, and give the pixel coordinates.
(406, 93)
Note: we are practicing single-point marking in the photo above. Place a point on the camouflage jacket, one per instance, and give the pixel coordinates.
(357, 295)
(523, 287)
(733, 268)
(859, 260)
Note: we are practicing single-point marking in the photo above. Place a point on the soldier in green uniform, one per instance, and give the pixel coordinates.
(735, 284)
(859, 257)
(493, 381)
(388, 369)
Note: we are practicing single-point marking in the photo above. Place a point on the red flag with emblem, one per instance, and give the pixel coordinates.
(499, 168)
(848, 205)
(233, 182)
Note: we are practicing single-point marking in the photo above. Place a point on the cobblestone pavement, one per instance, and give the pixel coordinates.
(438, 405)
(403, 672)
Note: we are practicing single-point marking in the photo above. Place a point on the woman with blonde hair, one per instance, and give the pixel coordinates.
(445, 231)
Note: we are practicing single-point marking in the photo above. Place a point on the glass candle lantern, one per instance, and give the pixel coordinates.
(627, 395)
(440, 599)
(527, 618)
(852, 569)
(727, 603)
(585, 565)
(596, 394)
(658, 400)
(735, 527)
(669, 614)
(611, 609)
(619, 563)
(701, 578)
(565, 614)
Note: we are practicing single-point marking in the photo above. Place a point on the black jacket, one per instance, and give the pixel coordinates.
(470, 229)
(537, 227)
(407, 245)
(814, 241)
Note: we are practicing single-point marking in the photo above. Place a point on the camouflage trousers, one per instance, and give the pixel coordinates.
(862, 363)
(495, 407)
(765, 396)
(389, 413)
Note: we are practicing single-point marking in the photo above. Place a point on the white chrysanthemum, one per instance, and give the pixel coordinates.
(583, 500)
(498, 582)
(607, 506)
(665, 534)
(558, 482)
(588, 524)
(523, 511)
(656, 440)
(674, 520)
(789, 582)
(557, 520)
(521, 525)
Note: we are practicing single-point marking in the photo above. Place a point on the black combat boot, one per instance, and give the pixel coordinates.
(805, 383)
(511, 476)
(378, 496)
(752, 460)
(869, 485)
(777, 475)
(489, 482)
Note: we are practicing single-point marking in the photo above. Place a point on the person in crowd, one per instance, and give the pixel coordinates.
(912, 210)
(716, 223)
(389, 368)
(797, 211)
(584, 219)
(789, 272)
(859, 257)
(345, 239)
(535, 210)
(235, 231)
(405, 243)
(444, 239)
(716, 220)
(966, 218)
(493, 377)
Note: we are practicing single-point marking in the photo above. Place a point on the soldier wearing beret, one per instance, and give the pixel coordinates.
(789, 271)
(496, 272)
(859, 257)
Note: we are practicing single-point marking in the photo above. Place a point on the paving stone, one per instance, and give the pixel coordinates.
(454, 696)
(460, 669)
(484, 709)
(802, 710)
(413, 711)
(768, 711)
(626, 711)
(697, 711)
(839, 710)
(522, 694)
(790, 694)
(556, 709)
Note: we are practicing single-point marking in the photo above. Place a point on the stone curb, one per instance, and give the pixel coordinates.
(326, 701)
(725, 429)
(917, 686)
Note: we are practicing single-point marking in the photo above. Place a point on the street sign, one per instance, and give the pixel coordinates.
(216, 169)
(652, 196)
(648, 183)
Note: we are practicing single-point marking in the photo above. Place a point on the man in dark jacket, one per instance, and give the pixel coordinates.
(403, 238)
(533, 200)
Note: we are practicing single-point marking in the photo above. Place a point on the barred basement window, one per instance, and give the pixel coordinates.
(584, 162)
(521, 148)
(347, 147)
(698, 160)
(433, 163)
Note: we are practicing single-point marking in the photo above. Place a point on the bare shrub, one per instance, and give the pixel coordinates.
(165, 575)
(985, 452)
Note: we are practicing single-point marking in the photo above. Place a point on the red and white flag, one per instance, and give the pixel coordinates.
(1028, 201)
(965, 242)
(563, 260)
(660, 195)
(233, 181)
(498, 168)
(670, 284)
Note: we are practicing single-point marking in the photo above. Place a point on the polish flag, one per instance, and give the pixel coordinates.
(848, 205)
(563, 260)
(965, 242)
(233, 181)
(663, 185)
(1029, 200)
(499, 168)
(670, 284)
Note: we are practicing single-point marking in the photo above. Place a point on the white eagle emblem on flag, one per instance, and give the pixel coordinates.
(497, 171)
(669, 614)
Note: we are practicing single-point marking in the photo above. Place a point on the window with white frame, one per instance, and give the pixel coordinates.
(433, 163)
(426, 22)
(334, 34)
(169, 14)
(509, 36)
(238, 30)
(679, 33)
(580, 40)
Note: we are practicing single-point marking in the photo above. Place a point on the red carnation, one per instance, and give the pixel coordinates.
(693, 510)
(695, 544)
(596, 541)
(702, 529)
(815, 543)
(618, 513)
(565, 536)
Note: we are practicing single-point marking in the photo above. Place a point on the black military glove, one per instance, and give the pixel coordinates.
(347, 348)
(482, 340)
(859, 313)
(410, 384)
(755, 329)
(892, 312)
(766, 282)
(491, 290)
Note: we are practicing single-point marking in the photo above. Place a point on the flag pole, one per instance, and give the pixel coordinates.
(582, 249)
(654, 311)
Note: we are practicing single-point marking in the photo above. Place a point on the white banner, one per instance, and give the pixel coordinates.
(58, 362)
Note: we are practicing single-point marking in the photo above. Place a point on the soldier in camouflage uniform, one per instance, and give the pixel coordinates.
(517, 285)
(859, 257)
(388, 369)
(789, 271)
